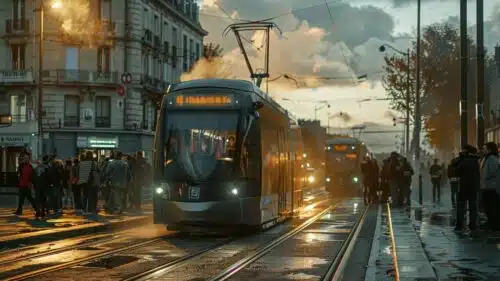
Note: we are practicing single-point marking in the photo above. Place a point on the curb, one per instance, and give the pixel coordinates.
(50, 235)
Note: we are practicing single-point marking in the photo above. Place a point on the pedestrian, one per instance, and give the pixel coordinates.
(395, 178)
(406, 182)
(366, 172)
(84, 178)
(117, 174)
(75, 187)
(25, 184)
(375, 178)
(490, 180)
(436, 173)
(67, 202)
(468, 172)
(41, 183)
(140, 175)
(453, 179)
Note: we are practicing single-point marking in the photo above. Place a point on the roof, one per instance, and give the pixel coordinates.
(242, 85)
(343, 140)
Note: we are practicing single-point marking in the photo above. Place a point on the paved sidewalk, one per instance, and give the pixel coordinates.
(25, 229)
(408, 255)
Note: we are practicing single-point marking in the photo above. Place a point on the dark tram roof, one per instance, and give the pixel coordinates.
(219, 83)
(235, 84)
(343, 140)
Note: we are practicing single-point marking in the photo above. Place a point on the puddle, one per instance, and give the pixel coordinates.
(112, 262)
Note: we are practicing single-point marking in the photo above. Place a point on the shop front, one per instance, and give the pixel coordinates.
(11, 148)
(101, 147)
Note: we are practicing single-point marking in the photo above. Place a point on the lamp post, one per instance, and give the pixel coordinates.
(408, 87)
(55, 5)
(319, 107)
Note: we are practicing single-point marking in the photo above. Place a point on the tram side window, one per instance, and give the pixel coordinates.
(250, 154)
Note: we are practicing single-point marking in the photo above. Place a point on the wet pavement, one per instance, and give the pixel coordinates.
(20, 230)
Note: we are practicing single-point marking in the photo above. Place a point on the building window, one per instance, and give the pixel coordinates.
(145, 64)
(104, 59)
(165, 71)
(105, 9)
(184, 53)
(145, 19)
(155, 116)
(145, 115)
(18, 10)
(71, 111)
(164, 33)
(157, 25)
(197, 51)
(18, 56)
(174, 47)
(103, 112)
(191, 53)
(18, 108)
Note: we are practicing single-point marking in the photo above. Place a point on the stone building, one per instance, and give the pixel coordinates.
(85, 103)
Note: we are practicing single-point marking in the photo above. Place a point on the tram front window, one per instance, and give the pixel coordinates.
(199, 146)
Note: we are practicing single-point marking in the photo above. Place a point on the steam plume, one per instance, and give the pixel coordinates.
(344, 116)
(390, 114)
(213, 68)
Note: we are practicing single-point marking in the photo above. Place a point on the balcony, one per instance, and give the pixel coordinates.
(153, 84)
(71, 121)
(102, 121)
(81, 77)
(16, 77)
(17, 27)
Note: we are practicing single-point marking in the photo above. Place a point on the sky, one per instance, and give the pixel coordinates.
(341, 43)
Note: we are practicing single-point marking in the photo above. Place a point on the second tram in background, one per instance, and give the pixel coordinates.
(344, 156)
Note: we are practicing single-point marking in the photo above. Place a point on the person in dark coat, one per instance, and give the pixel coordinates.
(436, 173)
(453, 178)
(468, 171)
(25, 173)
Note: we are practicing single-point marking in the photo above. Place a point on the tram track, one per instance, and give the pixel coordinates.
(22, 254)
(61, 266)
(170, 266)
(335, 269)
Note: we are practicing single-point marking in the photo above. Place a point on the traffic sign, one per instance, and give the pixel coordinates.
(120, 90)
(126, 78)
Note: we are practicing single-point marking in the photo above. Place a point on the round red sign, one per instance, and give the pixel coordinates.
(121, 90)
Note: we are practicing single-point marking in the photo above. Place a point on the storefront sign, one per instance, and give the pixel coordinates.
(14, 140)
(97, 142)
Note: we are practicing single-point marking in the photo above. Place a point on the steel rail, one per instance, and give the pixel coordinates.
(336, 268)
(171, 265)
(244, 262)
(105, 239)
(62, 266)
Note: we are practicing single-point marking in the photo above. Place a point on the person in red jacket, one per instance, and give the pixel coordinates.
(25, 173)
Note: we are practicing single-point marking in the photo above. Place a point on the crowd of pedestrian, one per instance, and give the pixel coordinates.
(473, 176)
(79, 183)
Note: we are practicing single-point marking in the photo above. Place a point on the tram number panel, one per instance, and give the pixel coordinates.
(194, 192)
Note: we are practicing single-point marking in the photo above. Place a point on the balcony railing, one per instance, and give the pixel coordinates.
(16, 76)
(17, 26)
(65, 76)
(153, 83)
(102, 121)
(71, 121)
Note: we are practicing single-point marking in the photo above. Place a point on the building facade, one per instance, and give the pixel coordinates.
(86, 104)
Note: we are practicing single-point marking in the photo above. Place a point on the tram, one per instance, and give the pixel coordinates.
(223, 157)
(344, 156)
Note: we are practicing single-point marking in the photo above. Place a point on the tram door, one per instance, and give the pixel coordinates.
(281, 172)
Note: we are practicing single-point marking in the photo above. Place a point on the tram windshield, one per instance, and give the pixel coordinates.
(342, 157)
(201, 144)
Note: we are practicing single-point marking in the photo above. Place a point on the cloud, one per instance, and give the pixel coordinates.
(311, 47)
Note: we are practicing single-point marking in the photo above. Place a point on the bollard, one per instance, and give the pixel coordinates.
(420, 197)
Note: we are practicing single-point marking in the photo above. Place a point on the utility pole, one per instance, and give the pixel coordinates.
(417, 106)
(480, 74)
(40, 83)
(463, 71)
(408, 86)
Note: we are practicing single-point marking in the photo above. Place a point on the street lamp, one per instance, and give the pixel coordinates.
(55, 5)
(382, 48)
(320, 105)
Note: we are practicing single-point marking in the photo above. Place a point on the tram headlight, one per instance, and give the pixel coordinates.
(234, 191)
(355, 179)
(328, 179)
(311, 179)
(159, 190)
